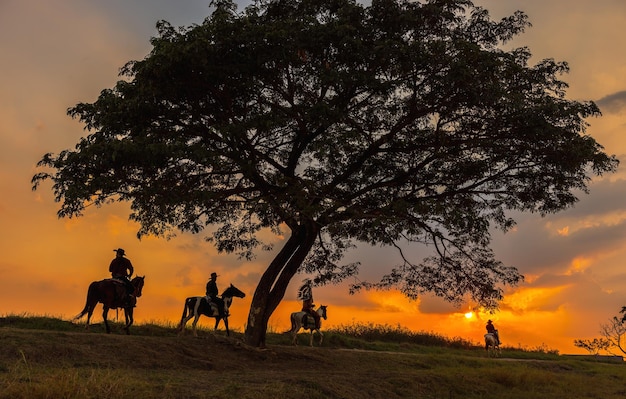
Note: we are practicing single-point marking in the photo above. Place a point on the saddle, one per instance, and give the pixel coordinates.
(308, 321)
(493, 336)
(215, 307)
(121, 297)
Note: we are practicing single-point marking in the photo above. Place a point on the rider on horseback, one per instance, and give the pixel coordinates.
(121, 269)
(491, 329)
(212, 295)
(305, 294)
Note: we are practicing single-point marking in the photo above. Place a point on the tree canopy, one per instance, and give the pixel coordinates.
(398, 122)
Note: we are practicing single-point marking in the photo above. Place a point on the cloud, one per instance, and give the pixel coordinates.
(596, 226)
(605, 196)
(613, 103)
(184, 276)
(431, 304)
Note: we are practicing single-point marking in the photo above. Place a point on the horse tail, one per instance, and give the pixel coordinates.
(82, 313)
(182, 318)
(91, 293)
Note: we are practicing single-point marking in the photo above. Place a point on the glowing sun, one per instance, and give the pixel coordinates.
(469, 315)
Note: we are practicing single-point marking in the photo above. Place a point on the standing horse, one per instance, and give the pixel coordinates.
(492, 346)
(197, 306)
(304, 320)
(111, 293)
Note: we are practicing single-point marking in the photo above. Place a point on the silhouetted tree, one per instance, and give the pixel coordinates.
(387, 124)
(593, 346)
(613, 336)
(614, 331)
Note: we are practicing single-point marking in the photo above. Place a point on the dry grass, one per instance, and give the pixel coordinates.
(64, 361)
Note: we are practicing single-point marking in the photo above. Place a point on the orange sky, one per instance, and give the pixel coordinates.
(56, 54)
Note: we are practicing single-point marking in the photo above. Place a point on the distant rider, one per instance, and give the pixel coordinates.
(305, 294)
(121, 269)
(212, 295)
(491, 329)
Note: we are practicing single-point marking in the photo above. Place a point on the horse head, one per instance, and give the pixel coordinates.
(233, 291)
(138, 282)
(322, 311)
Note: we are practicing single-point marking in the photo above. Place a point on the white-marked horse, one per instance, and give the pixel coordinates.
(304, 320)
(492, 346)
(197, 306)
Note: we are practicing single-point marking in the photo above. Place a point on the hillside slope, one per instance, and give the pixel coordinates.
(72, 364)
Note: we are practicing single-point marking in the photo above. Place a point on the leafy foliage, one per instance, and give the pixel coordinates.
(400, 122)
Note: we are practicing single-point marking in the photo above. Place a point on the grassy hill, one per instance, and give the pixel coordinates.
(43, 357)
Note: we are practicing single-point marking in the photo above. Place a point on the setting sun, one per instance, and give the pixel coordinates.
(469, 315)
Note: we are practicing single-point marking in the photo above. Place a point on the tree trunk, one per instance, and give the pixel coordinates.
(274, 282)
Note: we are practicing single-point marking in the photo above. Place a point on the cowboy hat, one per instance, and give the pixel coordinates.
(120, 251)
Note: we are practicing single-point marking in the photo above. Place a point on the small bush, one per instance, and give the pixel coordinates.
(399, 334)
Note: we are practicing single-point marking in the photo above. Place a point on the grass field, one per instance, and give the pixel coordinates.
(45, 357)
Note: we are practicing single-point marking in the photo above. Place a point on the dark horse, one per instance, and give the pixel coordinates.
(196, 306)
(111, 294)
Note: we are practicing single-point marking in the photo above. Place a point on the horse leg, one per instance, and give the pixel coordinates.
(128, 316)
(321, 337)
(88, 319)
(195, 321)
(90, 306)
(126, 321)
(105, 313)
(89, 311)
(217, 322)
(184, 319)
(294, 335)
(226, 325)
(295, 327)
(183, 323)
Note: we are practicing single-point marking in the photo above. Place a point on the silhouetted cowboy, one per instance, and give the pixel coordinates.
(122, 269)
(305, 294)
(212, 295)
(491, 329)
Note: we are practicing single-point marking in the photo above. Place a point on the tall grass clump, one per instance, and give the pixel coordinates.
(399, 334)
(35, 322)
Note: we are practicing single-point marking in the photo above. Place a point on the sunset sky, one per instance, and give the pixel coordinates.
(56, 54)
